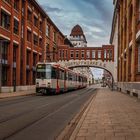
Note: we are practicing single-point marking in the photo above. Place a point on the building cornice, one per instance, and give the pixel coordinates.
(116, 6)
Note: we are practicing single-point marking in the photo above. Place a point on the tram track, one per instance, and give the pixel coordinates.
(39, 112)
(26, 98)
(34, 109)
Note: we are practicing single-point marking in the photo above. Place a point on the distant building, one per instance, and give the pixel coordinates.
(27, 35)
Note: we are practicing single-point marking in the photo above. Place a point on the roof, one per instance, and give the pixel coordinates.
(77, 30)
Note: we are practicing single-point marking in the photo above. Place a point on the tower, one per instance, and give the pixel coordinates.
(77, 37)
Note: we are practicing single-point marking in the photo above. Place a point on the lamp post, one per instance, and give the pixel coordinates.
(1, 42)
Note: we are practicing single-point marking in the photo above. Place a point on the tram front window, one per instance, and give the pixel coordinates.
(43, 71)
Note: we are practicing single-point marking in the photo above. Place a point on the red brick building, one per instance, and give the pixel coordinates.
(27, 35)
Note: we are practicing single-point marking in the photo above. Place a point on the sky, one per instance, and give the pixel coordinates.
(94, 16)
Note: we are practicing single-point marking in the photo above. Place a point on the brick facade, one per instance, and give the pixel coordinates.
(128, 14)
(24, 40)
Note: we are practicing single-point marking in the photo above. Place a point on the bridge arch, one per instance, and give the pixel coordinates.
(106, 65)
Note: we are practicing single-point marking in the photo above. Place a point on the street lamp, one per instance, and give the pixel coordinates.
(1, 42)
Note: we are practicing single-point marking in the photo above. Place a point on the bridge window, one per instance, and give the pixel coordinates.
(77, 54)
(110, 54)
(83, 54)
(93, 54)
(60, 54)
(66, 54)
(105, 54)
(63, 53)
(71, 54)
(99, 54)
(88, 54)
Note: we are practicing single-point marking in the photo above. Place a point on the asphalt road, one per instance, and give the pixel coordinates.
(39, 117)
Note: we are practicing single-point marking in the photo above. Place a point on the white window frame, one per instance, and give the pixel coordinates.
(99, 54)
(139, 57)
(93, 54)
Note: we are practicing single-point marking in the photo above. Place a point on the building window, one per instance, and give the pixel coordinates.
(40, 57)
(35, 21)
(54, 36)
(5, 51)
(40, 25)
(35, 40)
(29, 15)
(88, 54)
(40, 42)
(34, 59)
(77, 54)
(48, 30)
(5, 20)
(28, 58)
(93, 54)
(16, 5)
(29, 35)
(71, 54)
(16, 26)
(4, 75)
(99, 54)
(82, 54)
(47, 50)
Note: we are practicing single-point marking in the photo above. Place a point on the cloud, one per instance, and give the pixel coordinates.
(94, 16)
(50, 9)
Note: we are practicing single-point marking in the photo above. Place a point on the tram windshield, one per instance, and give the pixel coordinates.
(43, 71)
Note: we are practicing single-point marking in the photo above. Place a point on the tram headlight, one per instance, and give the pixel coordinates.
(49, 84)
(37, 84)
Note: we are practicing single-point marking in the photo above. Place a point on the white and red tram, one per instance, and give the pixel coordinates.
(53, 78)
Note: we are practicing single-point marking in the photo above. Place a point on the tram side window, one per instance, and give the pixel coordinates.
(54, 73)
(61, 75)
(74, 78)
(66, 75)
(79, 79)
(70, 77)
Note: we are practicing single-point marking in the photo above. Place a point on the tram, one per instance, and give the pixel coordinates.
(53, 78)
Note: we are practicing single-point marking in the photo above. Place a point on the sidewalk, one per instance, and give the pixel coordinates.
(110, 116)
(14, 94)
